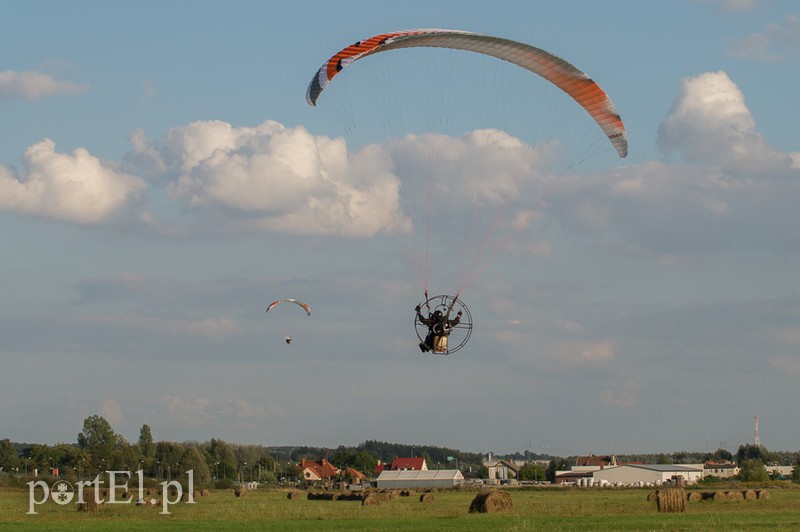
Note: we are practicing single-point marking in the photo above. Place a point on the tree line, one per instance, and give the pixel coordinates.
(219, 463)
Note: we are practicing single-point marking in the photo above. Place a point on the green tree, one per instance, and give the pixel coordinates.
(8, 455)
(193, 460)
(752, 470)
(556, 464)
(99, 440)
(796, 473)
(147, 448)
(722, 454)
(531, 471)
(168, 457)
(221, 459)
(364, 462)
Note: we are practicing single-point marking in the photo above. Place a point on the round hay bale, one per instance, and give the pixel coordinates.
(694, 496)
(720, 496)
(89, 503)
(671, 500)
(762, 495)
(205, 493)
(651, 497)
(408, 493)
(426, 497)
(735, 496)
(240, 492)
(750, 495)
(294, 494)
(371, 499)
(491, 501)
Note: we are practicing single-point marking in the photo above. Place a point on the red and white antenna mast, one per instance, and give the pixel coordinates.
(757, 435)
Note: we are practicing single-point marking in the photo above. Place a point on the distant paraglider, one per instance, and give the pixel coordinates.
(287, 338)
(290, 300)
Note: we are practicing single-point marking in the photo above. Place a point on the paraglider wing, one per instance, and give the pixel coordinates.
(561, 73)
(290, 300)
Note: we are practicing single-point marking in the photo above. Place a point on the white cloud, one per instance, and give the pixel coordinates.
(735, 6)
(187, 413)
(270, 178)
(710, 124)
(217, 328)
(731, 190)
(112, 411)
(33, 85)
(77, 188)
(778, 42)
(281, 179)
(203, 411)
(786, 365)
(621, 396)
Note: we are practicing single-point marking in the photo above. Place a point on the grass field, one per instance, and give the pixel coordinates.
(534, 509)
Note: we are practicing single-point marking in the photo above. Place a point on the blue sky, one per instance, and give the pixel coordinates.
(162, 180)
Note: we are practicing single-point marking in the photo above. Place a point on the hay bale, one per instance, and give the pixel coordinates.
(735, 496)
(490, 501)
(294, 494)
(426, 497)
(671, 500)
(762, 495)
(694, 496)
(750, 495)
(720, 496)
(372, 499)
(408, 493)
(205, 493)
(240, 491)
(352, 496)
(651, 497)
(89, 503)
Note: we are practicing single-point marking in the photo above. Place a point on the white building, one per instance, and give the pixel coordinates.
(644, 474)
(432, 478)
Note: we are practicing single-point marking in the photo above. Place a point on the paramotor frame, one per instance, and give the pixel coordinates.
(449, 306)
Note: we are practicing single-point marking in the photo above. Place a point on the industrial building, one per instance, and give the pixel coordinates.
(436, 478)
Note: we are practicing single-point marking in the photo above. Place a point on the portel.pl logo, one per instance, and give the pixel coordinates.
(63, 493)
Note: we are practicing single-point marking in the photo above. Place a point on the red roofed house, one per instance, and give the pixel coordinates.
(408, 464)
(314, 470)
(599, 462)
(354, 476)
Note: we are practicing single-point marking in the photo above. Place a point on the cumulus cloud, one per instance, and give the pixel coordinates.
(786, 365)
(710, 124)
(735, 6)
(728, 190)
(202, 411)
(269, 177)
(216, 328)
(625, 396)
(778, 42)
(77, 187)
(284, 179)
(112, 411)
(33, 86)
